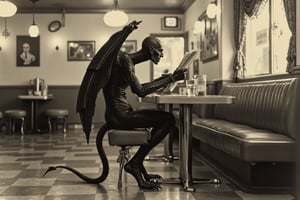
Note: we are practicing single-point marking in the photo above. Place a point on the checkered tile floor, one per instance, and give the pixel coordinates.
(23, 160)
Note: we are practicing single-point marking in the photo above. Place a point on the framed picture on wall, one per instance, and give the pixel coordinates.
(80, 50)
(28, 51)
(129, 46)
(209, 39)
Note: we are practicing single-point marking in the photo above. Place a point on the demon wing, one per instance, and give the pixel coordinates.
(98, 74)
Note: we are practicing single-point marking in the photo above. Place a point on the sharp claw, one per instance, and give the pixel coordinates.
(158, 188)
(153, 181)
(156, 180)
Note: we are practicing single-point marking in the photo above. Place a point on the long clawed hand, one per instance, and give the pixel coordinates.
(134, 24)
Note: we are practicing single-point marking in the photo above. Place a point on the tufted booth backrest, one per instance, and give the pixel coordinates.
(271, 105)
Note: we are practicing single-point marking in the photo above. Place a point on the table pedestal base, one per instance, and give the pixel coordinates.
(164, 158)
(188, 186)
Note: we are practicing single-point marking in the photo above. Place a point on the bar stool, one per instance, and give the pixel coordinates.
(12, 116)
(56, 116)
(126, 139)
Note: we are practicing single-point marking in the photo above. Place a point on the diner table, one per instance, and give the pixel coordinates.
(34, 100)
(185, 136)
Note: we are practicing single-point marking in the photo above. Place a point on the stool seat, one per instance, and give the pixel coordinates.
(13, 115)
(57, 115)
(118, 137)
(57, 112)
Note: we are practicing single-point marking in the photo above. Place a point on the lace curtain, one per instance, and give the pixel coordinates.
(290, 12)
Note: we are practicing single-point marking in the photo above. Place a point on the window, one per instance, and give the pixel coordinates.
(267, 40)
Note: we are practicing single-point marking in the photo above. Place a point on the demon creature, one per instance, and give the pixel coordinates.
(113, 71)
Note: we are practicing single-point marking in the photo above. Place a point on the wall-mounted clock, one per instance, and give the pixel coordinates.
(171, 22)
(54, 26)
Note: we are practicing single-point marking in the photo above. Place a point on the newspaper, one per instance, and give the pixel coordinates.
(184, 63)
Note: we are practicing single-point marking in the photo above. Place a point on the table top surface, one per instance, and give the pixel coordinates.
(184, 99)
(36, 97)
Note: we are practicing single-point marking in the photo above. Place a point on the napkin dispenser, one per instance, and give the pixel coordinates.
(39, 85)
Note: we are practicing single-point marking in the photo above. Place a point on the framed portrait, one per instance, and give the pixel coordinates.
(129, 46)
(209, 39)
(28, 51)
(80, 50)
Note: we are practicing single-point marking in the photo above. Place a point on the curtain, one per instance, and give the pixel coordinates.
(290, 12)
(240, 22)
(252, 7)
(243, 9)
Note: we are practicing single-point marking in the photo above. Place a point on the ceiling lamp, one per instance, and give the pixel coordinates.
(33, 29)
(115, 17)
(7, 9)
(211, 10)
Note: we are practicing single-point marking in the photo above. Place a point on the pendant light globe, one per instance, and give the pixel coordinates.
(7, 9)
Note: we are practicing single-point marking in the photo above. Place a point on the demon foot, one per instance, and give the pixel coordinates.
(153, 178)
(137, 174)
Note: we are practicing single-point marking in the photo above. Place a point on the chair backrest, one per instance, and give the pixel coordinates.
(270, 105)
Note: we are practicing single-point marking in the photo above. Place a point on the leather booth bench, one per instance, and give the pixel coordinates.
(253, 141)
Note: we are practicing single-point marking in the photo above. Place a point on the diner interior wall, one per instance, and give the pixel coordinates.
(211, 69)
(227, 48)
(63, 77)
(220, 68)
(54, 67)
